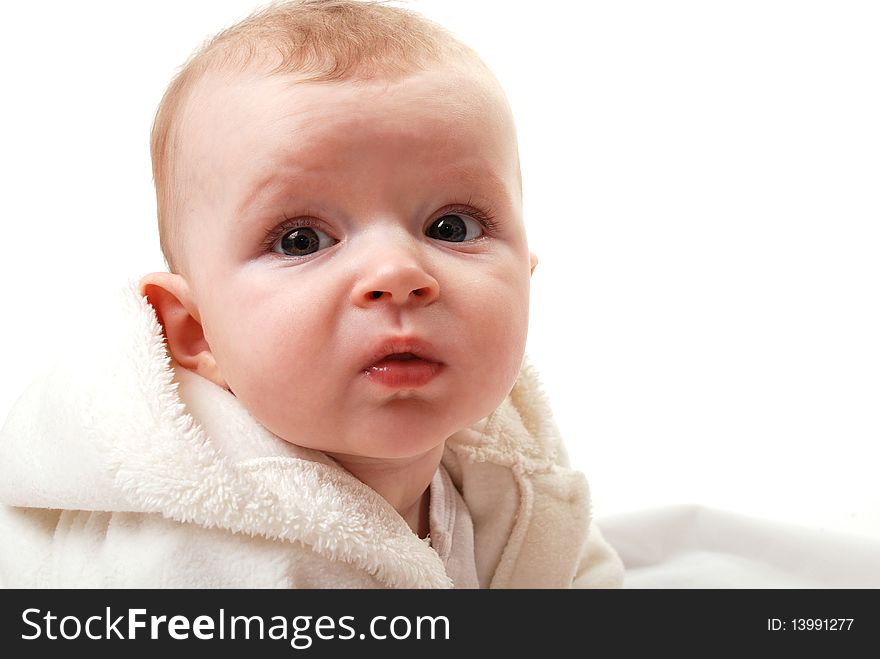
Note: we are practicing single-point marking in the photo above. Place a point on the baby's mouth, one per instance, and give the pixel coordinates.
(402, 362)
(401, 357)
(401, 352)
(403, 370)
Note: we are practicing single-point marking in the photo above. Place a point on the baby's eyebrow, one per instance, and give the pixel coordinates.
(268, 186)
(479, 182)
(483, 179)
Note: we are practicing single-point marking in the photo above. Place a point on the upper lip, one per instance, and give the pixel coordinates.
(398, 345)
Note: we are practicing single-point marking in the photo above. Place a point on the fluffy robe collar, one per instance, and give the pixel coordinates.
(116, 427)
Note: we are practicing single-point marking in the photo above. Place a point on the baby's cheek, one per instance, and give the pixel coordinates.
(247, 353)
(504, 308)
(501, 321)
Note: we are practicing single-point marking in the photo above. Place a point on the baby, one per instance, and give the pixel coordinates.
(327, 388)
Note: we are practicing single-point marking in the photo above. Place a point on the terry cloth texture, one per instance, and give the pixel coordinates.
(119, 469)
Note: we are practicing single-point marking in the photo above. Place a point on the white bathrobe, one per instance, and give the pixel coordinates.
(119, 470)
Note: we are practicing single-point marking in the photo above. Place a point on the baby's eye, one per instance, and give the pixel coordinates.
(455, 228)
(302, 241)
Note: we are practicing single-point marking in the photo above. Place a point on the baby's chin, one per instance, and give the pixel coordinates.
(389, 437)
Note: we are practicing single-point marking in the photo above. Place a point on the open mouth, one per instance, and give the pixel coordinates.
(402, 362)
(401, 357)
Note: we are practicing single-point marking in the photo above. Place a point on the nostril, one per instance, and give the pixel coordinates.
(425, 291)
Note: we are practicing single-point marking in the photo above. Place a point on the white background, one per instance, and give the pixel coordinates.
(701, 184)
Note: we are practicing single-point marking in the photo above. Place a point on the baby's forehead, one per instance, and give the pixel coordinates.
(243, 109)
(472, 82)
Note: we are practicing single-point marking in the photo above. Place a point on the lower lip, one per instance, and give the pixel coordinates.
(403, 374)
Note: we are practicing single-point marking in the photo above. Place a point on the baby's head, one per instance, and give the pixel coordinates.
(340, 208)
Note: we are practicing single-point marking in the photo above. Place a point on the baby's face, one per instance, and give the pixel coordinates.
(330, 225)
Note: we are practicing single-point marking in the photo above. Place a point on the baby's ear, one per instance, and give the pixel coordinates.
(169, 294)
(533, 259)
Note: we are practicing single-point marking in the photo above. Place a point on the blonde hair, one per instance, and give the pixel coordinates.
(319, 40)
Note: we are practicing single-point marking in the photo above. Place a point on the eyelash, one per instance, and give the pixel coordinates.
(487, 219)
(274, 234)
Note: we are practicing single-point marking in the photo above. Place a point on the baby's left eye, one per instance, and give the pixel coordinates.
(455, 228)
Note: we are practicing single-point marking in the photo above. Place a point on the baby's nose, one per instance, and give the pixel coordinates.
(398, 283)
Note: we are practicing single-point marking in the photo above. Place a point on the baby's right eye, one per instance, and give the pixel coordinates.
(302, 241)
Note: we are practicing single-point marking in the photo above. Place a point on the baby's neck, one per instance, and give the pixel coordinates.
(403, 483)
